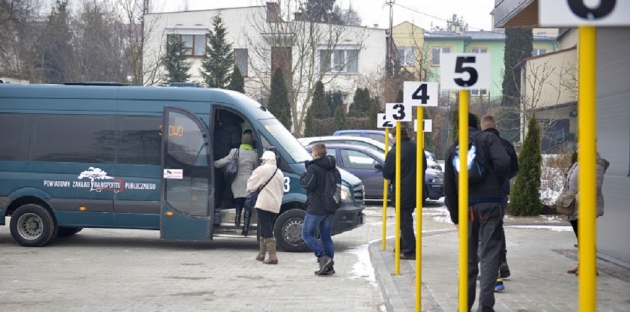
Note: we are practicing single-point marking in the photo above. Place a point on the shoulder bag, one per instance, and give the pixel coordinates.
(565, 203)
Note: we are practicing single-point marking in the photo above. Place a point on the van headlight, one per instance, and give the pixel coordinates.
(345, 193)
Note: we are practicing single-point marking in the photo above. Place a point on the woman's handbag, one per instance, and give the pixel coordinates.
(250, 200)
(565, 203)
(231, 169)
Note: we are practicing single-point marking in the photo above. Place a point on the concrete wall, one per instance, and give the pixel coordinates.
(613, 133)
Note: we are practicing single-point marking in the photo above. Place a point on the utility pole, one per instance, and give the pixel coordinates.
(390, 45)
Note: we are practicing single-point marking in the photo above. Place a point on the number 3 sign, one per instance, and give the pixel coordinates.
(465, 71)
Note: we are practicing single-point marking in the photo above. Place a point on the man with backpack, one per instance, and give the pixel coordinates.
(489, 167)
(488, 124)
(322, 182)
(407, 191)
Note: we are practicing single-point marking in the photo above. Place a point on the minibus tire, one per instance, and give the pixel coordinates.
(288, 231)
(68, 231)
(32, 225)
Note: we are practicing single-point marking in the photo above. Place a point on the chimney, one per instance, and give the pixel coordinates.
(273, 12)
(457, 29)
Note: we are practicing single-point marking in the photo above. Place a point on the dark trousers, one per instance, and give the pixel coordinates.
(240, 204)
(407, 234)
(574, 225)
(265, 223)
(484, 239)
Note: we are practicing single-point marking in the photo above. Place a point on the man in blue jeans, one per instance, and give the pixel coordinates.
(317, 216)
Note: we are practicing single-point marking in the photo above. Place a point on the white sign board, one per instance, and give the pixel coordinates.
(420, 93)
(559, 13)
(382, 122)
(398, 112)
(465, 71)
(428, 125)
(174, 174)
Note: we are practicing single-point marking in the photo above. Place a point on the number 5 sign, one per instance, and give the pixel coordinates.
(465, 71)
(584, 12)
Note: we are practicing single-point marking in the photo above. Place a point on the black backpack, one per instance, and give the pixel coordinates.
(331, 195)
(478, 166)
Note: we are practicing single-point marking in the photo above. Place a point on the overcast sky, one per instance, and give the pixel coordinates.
(420, 12)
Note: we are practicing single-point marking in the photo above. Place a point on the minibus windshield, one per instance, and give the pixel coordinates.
(286, 140)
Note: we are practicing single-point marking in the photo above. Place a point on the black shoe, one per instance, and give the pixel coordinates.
(325, 263)
(406, 257)
(504, 270)
(246, 220)
(330, 271)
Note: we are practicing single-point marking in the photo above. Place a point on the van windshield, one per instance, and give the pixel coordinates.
(286, 140)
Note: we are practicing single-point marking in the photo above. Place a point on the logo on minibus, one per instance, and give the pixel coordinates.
(99, 181)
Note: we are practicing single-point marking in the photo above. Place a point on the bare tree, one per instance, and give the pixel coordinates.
(19, 27)
(306, 51)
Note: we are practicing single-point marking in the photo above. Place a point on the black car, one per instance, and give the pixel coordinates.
(361, 162)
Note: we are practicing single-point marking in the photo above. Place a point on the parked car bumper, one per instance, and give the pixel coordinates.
(436, 190)
(348, 217)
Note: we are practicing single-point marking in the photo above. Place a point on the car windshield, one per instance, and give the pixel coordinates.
(286, 140)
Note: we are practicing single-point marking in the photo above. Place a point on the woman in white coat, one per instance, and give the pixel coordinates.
(268, 203)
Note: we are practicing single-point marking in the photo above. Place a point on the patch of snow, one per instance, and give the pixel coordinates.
(548, 227)
(363, 268)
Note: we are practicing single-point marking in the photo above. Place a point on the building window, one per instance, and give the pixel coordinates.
(341, 61)
(407, 56)
(240, 58)
(479, 50)
(537, 52)
(195, 44)
(478, 92)
(435, 54)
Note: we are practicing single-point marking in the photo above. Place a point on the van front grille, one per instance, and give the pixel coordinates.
(359, 193)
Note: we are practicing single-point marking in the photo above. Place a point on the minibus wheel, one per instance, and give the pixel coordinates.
(68, 231)
(288, 231)
(32, 225)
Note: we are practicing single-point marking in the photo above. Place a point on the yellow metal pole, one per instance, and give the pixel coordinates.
(398, 151)
(419, 196)
(587, 174)
(463, 200)
(385, 189)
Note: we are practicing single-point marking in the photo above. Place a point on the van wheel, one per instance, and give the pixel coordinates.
(32, 225)
(288, 231)
(68, 231)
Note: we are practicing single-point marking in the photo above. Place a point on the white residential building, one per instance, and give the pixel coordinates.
(342, 57)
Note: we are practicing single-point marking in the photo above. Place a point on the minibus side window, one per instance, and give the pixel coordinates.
(140, 140)
(14, 135)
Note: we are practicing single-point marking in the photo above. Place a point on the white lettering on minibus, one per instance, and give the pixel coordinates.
(49, 183)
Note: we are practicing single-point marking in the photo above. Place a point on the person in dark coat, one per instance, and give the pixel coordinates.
(407, 191)
(318, 218)
(488, 124)
(227, 135)
(484, 215)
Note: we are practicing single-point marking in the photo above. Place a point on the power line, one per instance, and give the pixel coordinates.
(429, 15)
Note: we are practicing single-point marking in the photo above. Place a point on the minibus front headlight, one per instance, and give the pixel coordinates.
(345, 193)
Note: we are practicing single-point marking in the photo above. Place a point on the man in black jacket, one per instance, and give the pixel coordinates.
(484, 202)
(407, 191)
(488, 124)
(317, 216)
(227, 135)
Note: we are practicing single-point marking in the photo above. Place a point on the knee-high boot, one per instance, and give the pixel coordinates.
(270, 243)
(246, 219)
(237, 218)
(262, 250)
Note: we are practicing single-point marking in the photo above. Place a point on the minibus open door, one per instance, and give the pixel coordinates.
(186, 196)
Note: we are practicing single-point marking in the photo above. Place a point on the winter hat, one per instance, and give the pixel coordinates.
(268, 155)
(472, 121)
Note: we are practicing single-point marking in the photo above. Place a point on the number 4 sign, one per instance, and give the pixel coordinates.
(419, 93)
(465, 71)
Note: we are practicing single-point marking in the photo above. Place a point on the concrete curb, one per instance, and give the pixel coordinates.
(389, 291)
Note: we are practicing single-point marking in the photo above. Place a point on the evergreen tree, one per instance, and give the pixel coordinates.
(373, 116)
(518, 45)
(319, 107)
(237, 82)
(334, 99)
(323, 11)
(361, 102)
(219, 58)
(525, 195)
(278, 103)
(309, 124)
(175, 60)
(399, 96)
(340, 122)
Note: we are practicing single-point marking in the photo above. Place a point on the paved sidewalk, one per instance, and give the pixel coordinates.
(538, 256)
